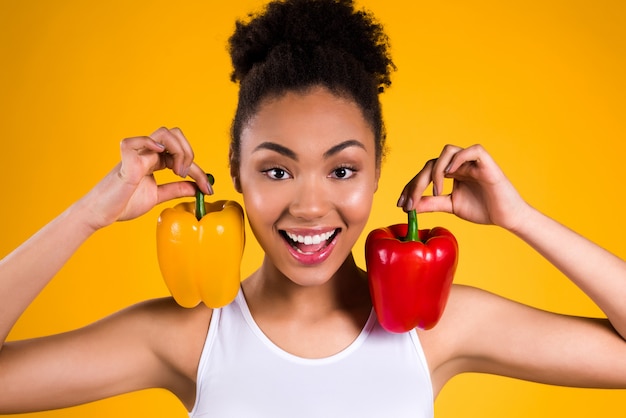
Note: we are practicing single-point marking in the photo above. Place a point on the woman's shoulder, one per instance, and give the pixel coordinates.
(166, 309)
(175, 334)
(173, 327)
(148, 345)
(466, 312)
(466, 309)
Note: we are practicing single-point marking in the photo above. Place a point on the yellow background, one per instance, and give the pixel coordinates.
(540, 83)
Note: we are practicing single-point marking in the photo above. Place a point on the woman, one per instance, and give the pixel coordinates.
(301, 340)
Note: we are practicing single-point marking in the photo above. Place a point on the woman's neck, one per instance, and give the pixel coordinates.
(309, 321)
(268, 289)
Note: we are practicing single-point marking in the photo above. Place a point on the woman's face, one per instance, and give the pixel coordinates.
(308, 173)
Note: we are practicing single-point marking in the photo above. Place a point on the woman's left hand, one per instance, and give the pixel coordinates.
(481, 193)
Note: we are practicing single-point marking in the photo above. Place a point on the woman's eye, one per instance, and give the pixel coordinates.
(276, 174)
(343, 173)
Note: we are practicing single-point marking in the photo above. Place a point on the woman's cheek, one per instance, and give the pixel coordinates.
(263, 204)
(358, 201)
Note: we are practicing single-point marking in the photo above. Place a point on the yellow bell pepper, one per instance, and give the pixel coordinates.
(199, 248)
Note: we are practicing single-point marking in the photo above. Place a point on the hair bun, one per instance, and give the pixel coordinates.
(308, 25)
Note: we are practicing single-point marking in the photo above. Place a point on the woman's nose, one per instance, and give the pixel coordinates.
(311, 199)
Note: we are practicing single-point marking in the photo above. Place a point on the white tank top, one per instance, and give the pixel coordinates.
(243, 374)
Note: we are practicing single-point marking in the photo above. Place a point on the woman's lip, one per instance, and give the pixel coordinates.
(309, 231)
(315, 257)
(308, 239)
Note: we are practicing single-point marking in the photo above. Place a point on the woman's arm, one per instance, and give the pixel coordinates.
(56, 363)
(128, 191)
(599, 273)
(155, 344)
(29, 268)
(482, 194)
(485, 333)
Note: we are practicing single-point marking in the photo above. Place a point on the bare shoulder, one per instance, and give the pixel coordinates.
(475, 324)
(478, 327)
(151, 344)
(444, 343)
(486, 333)
(176, 334)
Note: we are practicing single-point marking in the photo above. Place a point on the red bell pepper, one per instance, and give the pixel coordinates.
(410, 274)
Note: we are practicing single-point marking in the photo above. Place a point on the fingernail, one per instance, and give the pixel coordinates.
(184, 172)
(158, 144)
(401, 201)
(435, 190)
(447, 169)
(409, 205)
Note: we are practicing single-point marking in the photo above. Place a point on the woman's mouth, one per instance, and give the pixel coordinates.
(310, 248)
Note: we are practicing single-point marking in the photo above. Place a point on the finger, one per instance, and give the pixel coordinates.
(175, 190)
(441, 165)
(141, 145)
(414, 189)
(173, 151)
(199, 175)
(152, 145)
(465, 160)
(140, 156)
(177, 149)
(188, 154)
(435, 204)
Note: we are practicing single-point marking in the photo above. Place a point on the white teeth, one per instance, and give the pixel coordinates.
(310, 239)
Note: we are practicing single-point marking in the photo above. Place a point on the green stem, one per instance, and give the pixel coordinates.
(200, 209)
(413, 232)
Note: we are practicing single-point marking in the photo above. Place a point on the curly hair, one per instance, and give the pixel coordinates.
(294, 45)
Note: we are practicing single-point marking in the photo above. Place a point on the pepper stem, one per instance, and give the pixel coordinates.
(200, 209)
(412, 232)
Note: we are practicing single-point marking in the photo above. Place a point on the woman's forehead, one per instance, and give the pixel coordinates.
(310, 129)
(315, 114)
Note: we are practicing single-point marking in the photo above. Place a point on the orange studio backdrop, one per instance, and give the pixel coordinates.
(540, 83)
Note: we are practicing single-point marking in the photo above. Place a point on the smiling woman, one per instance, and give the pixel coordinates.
(306, 151)
(291, 185)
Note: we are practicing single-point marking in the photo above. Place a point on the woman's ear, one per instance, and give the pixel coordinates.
(236, 183)
(376, 179)
(234, 171)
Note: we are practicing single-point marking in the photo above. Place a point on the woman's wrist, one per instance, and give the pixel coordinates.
(86, 216)
(526, 217)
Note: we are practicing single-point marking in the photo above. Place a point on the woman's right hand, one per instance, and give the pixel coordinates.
(130, 189)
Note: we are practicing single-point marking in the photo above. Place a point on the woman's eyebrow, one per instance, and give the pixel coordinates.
(343, 145)
(272, 146)
(282, 150)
